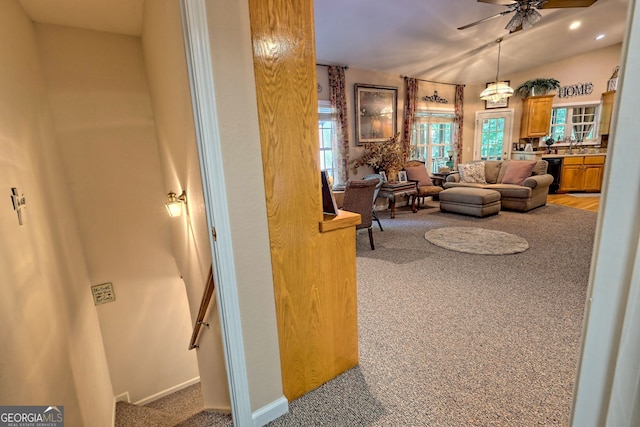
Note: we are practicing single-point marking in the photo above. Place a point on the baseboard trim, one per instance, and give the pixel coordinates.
(113, 415)
(123, 397)
(270, 412)
(168, 391)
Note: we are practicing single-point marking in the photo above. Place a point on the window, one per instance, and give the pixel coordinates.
(326, 134)
(492, 139)
(577, 122)
(432, 138)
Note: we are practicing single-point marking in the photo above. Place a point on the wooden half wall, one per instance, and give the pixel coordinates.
(313, 272)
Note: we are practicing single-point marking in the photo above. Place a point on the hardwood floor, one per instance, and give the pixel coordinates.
(588, 203)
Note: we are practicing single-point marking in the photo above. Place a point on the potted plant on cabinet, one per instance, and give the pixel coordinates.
(537, 87)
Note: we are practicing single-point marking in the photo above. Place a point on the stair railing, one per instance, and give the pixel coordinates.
(204, 305)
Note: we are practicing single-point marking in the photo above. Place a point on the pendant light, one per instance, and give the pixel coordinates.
(499, 90)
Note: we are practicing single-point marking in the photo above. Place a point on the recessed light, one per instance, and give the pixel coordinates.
(599, 36)
(574, 25)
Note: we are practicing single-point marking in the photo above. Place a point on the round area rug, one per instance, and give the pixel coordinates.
(479, 241)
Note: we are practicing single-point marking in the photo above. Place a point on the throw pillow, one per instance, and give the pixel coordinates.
(420, 174)
(517, 171)
(540, 168)
(492, 170)
(472, 173)
(503, 169)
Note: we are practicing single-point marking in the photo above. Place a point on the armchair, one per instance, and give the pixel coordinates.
(358, 198)
(417, 172)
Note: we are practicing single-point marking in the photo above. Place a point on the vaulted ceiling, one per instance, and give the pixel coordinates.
(418, 38)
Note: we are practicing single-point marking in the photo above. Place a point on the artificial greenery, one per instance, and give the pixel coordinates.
(537, 87)
(387, 155)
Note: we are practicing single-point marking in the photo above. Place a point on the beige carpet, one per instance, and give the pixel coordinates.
(455, 339)
(474, 240)
(182, 408)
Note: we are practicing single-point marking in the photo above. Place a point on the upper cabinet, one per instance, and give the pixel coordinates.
(607, 109)
(536, 116)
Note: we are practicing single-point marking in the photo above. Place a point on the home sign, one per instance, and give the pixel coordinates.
(580, 89)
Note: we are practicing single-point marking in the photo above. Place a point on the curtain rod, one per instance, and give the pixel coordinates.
(346, 67)
(433, 81)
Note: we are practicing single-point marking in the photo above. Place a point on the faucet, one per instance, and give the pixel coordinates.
(572, 142)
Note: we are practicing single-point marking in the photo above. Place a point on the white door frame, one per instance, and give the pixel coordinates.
(507, 113)
(607, 390)
(196, 33)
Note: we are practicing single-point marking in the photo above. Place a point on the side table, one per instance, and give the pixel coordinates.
(393, 189)
(439, 178)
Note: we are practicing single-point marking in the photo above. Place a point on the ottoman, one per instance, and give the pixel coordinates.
(478, 202)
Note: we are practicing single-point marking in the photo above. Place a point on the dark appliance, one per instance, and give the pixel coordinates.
(555, 165)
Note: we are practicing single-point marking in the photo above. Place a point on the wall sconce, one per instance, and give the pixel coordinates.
(175, 203)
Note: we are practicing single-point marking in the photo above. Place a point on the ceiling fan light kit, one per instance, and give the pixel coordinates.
(523, 19)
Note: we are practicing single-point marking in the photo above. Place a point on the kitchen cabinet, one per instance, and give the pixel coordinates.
(581, 173)
(536, 116)
(607, 110)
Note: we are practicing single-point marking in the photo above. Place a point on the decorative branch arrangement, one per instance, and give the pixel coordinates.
(385, 156)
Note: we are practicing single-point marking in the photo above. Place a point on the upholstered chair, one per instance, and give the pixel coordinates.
(417, 172)
(358, 198)
(380, 181)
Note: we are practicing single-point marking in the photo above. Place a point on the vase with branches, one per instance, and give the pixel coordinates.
(385, 156)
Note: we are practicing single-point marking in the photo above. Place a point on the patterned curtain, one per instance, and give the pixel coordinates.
(338, 97)
(410, 103)
(459, 108)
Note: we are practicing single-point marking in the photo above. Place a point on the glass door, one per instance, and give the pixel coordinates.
(493, 135)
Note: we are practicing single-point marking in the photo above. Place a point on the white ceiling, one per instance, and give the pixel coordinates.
(417, 38)
(113, 16)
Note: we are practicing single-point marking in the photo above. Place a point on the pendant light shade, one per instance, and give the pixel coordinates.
(498, 90)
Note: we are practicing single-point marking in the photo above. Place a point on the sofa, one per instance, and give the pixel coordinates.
(523, 185)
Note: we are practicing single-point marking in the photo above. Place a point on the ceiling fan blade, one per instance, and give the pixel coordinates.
(484, 20)
(558, 4)
(500, 2)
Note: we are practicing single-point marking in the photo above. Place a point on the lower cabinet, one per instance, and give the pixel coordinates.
(582, 173)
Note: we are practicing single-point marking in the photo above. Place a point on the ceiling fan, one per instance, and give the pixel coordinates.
(526, 11)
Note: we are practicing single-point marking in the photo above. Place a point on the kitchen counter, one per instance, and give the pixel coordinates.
(544, 156)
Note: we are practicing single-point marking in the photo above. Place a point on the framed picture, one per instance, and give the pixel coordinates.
(376, 112)
(383, 175)
(402, 176)
(329, 205)
(500, 104)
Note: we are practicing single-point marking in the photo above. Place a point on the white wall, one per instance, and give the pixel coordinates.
(171, 100)
(353, 76)
(607, 390)
(593, 67)
(232, 62)
(51, 350)
(99, 95)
